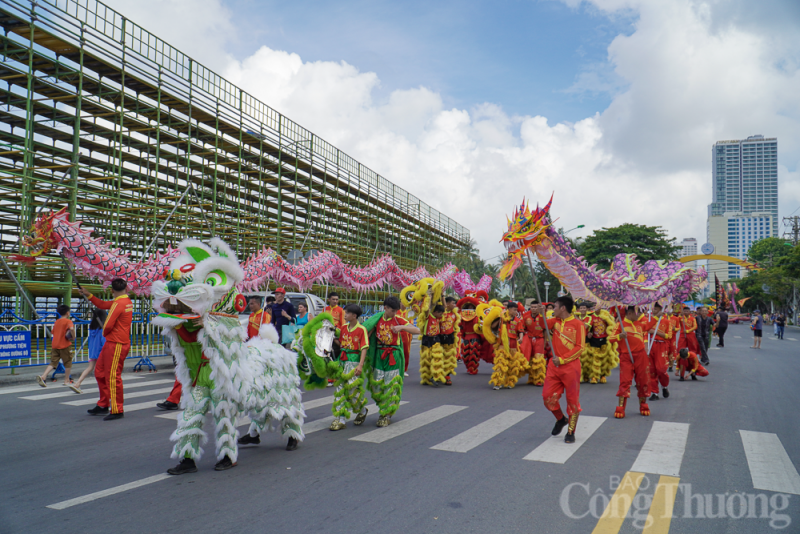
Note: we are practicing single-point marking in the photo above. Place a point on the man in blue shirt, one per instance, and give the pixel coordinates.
(282, 311)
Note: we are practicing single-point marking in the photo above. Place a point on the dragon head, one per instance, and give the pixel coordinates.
(201, 280)
(525, 230)
(41, 240)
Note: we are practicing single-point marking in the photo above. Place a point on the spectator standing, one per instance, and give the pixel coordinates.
(780, 321)
(757, 324)
(96, 343)
(282, 311)
(703, 333)
(61, 346)
(721, 325)
(302, 314)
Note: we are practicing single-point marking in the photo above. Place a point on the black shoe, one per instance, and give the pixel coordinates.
(292, 445)
(167, 405)
(653, 397)
(681, 379)
(560, 424)
(694, 377)
(719, 345)
(98, 410)
(112, 416)
(224, 464)
(570, 437)
(665, 392)
(187, 465)
(247, 439)
(669, 370)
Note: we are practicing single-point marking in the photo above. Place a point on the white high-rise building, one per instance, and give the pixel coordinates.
(744, 205)
(689, 248)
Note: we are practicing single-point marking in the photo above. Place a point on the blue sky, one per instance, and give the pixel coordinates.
(523, 55)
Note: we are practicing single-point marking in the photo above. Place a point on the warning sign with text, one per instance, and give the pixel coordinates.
(14, 345)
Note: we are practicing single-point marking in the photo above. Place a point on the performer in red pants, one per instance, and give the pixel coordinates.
(688, 362)
(661, 329)
(633, 362)
(564, 368)
(117, 331)
(471, 341)
(688, 325)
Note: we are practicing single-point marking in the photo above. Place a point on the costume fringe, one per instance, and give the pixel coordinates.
(537, 369)
(437, 367)
(450, 358)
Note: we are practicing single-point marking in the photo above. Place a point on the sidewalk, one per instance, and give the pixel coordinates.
(24, 375)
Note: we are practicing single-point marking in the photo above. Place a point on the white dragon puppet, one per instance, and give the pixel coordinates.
(198, 305)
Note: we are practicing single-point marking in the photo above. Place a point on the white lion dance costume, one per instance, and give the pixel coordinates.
(218, 370)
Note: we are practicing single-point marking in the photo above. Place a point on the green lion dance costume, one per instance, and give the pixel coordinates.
(382, 373)
(218, 370)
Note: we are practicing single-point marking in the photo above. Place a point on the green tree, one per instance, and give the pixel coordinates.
(769, 251)
(647, 242)
(469, 259)
(522, 286)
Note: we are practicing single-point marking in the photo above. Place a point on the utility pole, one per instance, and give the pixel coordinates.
(793, 234)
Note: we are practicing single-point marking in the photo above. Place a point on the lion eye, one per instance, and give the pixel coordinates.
(214, 279)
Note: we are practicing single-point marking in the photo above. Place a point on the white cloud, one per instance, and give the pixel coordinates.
(689, 80)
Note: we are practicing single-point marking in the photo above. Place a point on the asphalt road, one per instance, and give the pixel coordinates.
(53, 453)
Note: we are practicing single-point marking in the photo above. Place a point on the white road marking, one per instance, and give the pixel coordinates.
(125, 396)
(54, 385)
(407, 425)
(662, 452)
(791, 339)
(483, 432)
(325, 422)
(737, 337)
(70, 393)
(770, 466)
(105, 493)
(555, 451)
(140, 406)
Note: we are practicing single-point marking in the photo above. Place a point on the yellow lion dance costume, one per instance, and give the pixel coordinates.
(601, 355)
(508, 365)
(423, 298)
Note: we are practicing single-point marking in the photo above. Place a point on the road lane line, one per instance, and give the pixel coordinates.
(53, 385)
(407, 425)
(770, 466)
(126, 396)
(620, 503)
(325, 422)
(70, 393)
(791, 339)
(483, 432)
(555, 451)
(105, 493)
(737, 337)
(662, 452)
(659, 517)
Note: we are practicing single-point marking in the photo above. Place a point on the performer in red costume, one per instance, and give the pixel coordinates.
(564, 369)
(471, 341)
(675, 322)
(688, 362)
(258, 316)
(117, 331)
(661, 329)
(688, 325)
(532, 329)
(633, 361)
(405, 337)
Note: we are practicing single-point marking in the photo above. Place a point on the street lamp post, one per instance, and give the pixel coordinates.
(547, 291)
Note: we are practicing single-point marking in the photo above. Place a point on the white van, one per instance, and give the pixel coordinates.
(314, 304)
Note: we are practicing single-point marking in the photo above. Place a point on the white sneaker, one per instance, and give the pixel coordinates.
(496, 388)
(405, 374)
(40, 381)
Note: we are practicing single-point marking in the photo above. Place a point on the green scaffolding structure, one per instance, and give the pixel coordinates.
(101, 116)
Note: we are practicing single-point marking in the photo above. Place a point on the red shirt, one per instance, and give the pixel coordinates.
(433, 327)
(688, 324)
(664, 331)
(691, 363)
(569, 338)
(598, 327)
(60, 328)
(117, 328)
(338, 315)
(449, 320)
(256, 320)
(636, 336)
(383, 330)
(355, 339)
(532, 327)
(513, 329)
